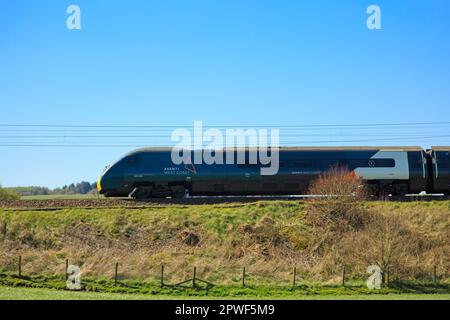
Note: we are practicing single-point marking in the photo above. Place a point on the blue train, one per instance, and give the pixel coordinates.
(150, 172)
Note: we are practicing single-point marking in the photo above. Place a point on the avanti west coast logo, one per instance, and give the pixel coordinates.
(229, 146)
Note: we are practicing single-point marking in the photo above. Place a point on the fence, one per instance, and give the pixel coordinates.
(242, 277)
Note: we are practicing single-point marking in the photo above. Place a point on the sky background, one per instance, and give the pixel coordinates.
(244, 63)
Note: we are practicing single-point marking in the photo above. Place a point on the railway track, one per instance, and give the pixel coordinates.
(130, 203)
(53, 204)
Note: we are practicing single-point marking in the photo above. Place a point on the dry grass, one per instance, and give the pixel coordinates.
(268, 238)
(349, 231)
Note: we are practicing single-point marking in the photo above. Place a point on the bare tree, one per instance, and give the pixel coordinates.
(338, 200)
(386, 242)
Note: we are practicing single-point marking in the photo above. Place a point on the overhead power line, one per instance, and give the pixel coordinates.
(100, 144)
(228, 126)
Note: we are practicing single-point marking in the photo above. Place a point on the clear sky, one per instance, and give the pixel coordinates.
(225, 62)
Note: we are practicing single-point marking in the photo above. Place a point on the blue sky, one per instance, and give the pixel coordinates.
(225, 62)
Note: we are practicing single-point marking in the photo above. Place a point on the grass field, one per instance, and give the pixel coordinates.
(11, 293)
(268, 238)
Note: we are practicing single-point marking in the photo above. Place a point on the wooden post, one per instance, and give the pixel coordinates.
(295, 274)
(243, 277)
(194, 278)
(20, 266)
(162, 276)
(434, 274)
(115, 273)
(343, 276)
(67, 267)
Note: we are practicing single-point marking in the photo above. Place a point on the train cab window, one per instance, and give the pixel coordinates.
(133, 160)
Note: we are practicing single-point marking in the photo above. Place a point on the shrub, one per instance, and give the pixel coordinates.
(338, 201)
(346, 230)
(388, 242)
(8, 195)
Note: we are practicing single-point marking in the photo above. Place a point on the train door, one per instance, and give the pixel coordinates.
(239, 178)
(242, 176)
(441, 170)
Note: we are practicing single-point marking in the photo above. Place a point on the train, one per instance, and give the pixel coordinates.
(150, 172)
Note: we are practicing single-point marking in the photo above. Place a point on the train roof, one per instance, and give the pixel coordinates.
(389, 148)
(440, 148)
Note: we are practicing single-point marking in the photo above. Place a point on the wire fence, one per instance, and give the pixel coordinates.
(197, 278)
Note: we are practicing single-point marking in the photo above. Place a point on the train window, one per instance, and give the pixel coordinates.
(354, 163)
(384, 162)
(248, 165)
(303, 163)
(371, 163)
(133, 160)
(334, 163)
(296, 164)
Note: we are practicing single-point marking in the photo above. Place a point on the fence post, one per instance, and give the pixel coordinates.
(20, 266)
(343, 276)
(295, 274)
(243, 277)
(434, 274)
(115, 274)
(67, 267)
(194, 278)
(162, 276)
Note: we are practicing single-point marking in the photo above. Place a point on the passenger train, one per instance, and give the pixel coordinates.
(150, 173)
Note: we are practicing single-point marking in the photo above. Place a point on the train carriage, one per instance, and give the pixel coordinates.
(150, 172)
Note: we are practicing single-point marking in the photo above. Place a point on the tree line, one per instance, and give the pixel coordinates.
(82, 187)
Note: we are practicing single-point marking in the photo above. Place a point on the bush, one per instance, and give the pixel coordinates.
(346, 230)
(8, 195)
(387, 242)
(338, 201)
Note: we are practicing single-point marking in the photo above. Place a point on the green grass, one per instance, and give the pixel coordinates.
(12, 293)
(152, 289)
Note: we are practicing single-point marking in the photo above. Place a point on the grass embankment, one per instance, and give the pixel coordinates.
(268, 238)
(14, 293)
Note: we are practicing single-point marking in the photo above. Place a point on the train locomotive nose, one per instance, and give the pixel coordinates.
(99, 184)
